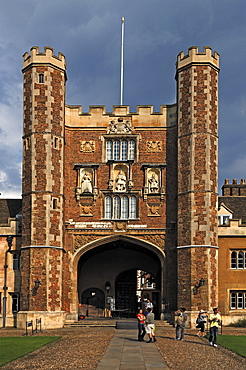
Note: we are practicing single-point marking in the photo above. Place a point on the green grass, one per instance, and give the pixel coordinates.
(15, 347)
(236, 343)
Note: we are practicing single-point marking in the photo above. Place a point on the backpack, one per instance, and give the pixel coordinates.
(179, 319)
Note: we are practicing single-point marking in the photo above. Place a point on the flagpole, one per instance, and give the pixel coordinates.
(122, 61)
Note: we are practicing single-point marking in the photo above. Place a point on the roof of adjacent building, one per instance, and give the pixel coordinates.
(9, 208)
(237, 205)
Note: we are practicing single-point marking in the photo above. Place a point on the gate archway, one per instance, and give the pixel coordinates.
(105, 260)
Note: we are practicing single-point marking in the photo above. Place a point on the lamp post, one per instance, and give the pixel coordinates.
(9, 240)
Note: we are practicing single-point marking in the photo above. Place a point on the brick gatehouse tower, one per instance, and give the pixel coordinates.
(118, 206)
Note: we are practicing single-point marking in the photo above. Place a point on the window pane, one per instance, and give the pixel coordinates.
(124, 150)
(124, 207)
(15, 262)
(116, 150)
(131, 152)
(240, 300)
(109, 150)
(133, 207)
(233, 301)
(41, 78)
(108, 207)
(233, 260)
(116, 207)
(240, 260)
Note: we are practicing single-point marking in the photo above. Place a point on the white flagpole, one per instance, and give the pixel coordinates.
(122, 61)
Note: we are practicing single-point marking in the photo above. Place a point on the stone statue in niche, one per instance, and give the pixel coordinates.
(86, 186)
(120, 181)
(153, 184)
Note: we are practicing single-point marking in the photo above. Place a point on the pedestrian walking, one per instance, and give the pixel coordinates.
(201, 321)
(215, 320)
(150, 326)
(180, 322)
(141, 325)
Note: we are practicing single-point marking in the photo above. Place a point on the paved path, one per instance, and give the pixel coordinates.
(125, 352)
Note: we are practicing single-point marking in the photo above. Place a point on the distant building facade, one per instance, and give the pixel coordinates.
(111, 199)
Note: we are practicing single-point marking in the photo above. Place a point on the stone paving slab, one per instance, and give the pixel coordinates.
(125, 352)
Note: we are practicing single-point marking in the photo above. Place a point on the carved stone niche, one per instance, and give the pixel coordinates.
(120, 178)
(153, 181)
(86, 181)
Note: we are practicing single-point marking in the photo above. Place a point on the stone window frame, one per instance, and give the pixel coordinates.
(110, 214)
(41, 78)
(237, 299)
(121, 138)
(238, 259)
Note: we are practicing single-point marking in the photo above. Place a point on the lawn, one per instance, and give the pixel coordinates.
(236, 343)
(15, 347)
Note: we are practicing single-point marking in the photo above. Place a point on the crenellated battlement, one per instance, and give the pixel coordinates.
(46, 57)
(194, 57)
(98, 115)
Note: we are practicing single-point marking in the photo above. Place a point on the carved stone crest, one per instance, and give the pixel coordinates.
(87, 146)
(86, 210)
(153, 209)
(154, 146)
(120, 126)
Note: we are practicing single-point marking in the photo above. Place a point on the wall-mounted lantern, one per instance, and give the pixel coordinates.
(107, 286)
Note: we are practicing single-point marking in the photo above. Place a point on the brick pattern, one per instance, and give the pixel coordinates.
(44, 105)
(197, 183)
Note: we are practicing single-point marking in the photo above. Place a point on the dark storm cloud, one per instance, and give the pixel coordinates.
(88, 34)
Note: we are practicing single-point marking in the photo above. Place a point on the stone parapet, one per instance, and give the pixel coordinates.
(35, 57)
(194, 58)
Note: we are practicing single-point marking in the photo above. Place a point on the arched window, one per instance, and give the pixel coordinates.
(131, 153)
(233, 260)
(124, 150)
(124, 207)
(108, 207)
(132, 207)
(116, 150)
(240, 260)
(41, 78)
(109, 150)
(116, 207)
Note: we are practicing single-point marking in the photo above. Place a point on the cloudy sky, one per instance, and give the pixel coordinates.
(88, 33)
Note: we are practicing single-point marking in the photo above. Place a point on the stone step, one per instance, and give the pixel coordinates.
(119, 324)
(122, 324)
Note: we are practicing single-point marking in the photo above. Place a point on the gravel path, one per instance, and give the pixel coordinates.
(82, 348)
(195, 353)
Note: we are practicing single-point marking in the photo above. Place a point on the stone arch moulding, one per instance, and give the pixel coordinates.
(108, 239)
